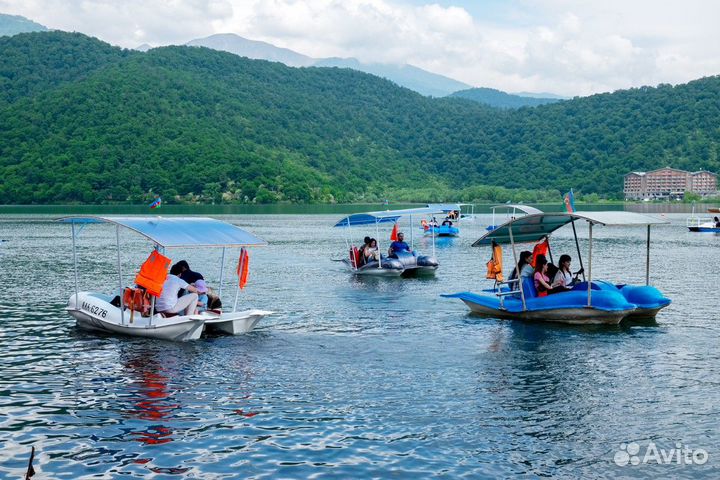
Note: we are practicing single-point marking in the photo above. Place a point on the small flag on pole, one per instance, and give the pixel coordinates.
(243, 268)
(157, 203)
(394, 233)
(569, 201)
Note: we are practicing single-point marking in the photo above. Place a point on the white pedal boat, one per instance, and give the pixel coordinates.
(94, 311)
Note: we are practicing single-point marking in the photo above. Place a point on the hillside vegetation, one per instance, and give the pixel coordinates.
(81, 121)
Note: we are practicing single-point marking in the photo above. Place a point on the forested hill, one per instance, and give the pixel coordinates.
(496, 98)
(101, 124)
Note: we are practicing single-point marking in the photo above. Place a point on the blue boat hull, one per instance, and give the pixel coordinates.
(610, 304)
(443, 231)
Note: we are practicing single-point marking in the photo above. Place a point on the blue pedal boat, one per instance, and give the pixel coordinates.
(589, 302)
(450, 226)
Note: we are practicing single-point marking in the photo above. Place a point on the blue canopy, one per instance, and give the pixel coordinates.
(387, 216)
(447, 207)
(172, 232)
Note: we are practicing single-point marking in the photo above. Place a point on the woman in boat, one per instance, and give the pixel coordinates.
(168, 301)
(371, 251)
(526, 269)
(564, 277)
(188, 275)
(540, 278)
(362, 250)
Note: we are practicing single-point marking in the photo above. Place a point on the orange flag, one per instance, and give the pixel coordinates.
(540, 249)
(393, 235)
(243, 268)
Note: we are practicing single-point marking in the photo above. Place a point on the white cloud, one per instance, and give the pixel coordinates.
(571, 47)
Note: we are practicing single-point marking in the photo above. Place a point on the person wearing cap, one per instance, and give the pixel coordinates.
(202, 290)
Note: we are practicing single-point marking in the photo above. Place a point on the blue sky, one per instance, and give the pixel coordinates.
(567, 47)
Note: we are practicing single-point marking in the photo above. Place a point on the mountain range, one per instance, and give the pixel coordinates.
(408, 76)
(83, 121)
(14, 24)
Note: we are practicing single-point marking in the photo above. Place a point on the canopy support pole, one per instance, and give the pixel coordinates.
(547, 239)
(517, 269)
(348, 243)
(237, 287)
(120, 284)
(222, 272)
(589, 280)
(412, 237)
(577, 245)
(377, 235)
(647, 262)
(72, 226)
(433, 237)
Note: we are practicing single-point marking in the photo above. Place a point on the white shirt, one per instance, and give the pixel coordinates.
(563, 278)
(169, 296)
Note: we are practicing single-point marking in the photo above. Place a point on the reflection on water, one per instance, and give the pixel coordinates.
(355, 377)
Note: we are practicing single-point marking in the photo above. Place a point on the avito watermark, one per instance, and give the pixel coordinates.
(631, 454)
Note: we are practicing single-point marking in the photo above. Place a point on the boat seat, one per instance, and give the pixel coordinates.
(528, 285)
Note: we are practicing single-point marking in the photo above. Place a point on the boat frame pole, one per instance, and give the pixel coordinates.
(412, 237)
(377, 234)
(72, 227)
(589, 280)
(577, 245)
(222, 272)
(647, 262)
(517, 269)
(120, 280)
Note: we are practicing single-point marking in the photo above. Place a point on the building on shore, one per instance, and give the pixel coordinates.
(668, 183)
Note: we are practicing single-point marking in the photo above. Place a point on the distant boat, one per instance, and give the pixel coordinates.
(703, 224)
(450, 226)
(401, 263)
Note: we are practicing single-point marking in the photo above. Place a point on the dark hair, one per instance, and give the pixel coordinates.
(183, 264)
(552, 270)
(524, 255)
(563, 259)
(176, 269)
(371, 241)
(540, 262)
(366, 240)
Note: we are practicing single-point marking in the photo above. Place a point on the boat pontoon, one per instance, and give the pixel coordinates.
(512, 211)
(109, 313)
(402, 263)
(588, 302)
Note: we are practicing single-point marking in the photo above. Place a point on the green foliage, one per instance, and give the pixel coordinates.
(81, 121)
(498, 99)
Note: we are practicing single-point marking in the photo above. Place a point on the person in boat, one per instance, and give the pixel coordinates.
(398, 245)
(564, 278)
(717, 222)
(188, 275)
(433, 222)
(540, 277)
(526, 270)
(371, 251)
(447, 221)
(363, 250)
(169, 302)
(202, 291)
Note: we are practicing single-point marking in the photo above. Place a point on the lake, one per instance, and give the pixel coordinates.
(352, 377)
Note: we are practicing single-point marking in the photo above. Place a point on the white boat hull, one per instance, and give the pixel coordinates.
(94, 312)
(236, 323)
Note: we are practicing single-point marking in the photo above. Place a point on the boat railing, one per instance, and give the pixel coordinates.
(697, 221)
(501, 294)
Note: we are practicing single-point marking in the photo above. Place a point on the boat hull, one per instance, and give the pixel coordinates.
(442, 231)
(704, 229)
(571, 316)
(236, 323)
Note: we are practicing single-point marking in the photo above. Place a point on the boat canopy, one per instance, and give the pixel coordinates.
(172, 232)
(386, 216)
(523, 208)
(533, 227)
(447, 207)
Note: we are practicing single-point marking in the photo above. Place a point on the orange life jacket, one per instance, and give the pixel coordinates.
(494, 266)
(153, 273)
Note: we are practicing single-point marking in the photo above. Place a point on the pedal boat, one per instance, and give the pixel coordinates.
(446, 209)
(405, 264)
(98, 312)
(589, 302)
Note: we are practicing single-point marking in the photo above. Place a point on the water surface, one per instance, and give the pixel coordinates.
(354, 378)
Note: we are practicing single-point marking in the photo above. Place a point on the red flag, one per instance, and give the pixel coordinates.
(393, 235)
(243, 268)
(540, 249)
